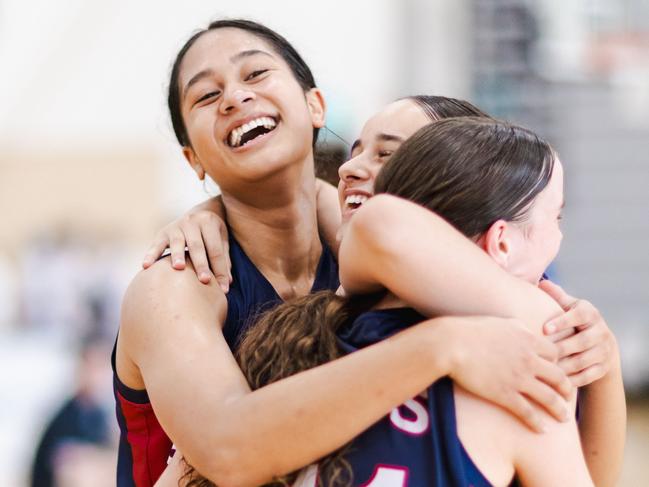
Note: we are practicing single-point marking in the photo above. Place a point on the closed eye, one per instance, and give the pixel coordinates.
(207, 96)
(255, 73)
(385, 153)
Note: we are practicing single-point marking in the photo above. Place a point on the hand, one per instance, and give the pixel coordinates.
(503, 362)
(173, 474)
(589, 353)
(206, 236)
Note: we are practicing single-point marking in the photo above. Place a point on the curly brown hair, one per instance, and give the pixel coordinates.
(292, 337)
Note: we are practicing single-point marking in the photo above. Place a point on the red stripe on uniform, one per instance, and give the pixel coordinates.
(150, 446)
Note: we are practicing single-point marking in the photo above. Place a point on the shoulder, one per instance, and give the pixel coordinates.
(160, 297)
(550, 458)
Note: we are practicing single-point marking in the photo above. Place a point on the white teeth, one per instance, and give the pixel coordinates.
(235, 136)
(355, 199)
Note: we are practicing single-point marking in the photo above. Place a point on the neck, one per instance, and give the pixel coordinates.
(275, 223)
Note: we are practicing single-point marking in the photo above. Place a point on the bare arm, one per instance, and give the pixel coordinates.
(393, 243)
(169, 334)
(554, 458)
(591, 358)
(602, 426)
(203, 232)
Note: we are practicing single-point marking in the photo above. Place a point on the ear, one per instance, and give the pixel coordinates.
(497, 242)
(194, 162)
(317, 107)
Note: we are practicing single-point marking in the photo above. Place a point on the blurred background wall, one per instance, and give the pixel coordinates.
(89, 167)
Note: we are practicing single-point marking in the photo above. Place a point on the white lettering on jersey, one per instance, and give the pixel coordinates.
(416, 426)
(172, 452)
(308, 477)
(388, 476)
(383, 476)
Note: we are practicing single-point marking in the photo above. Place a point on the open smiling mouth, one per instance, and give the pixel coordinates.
(247, 132)
(355, 201)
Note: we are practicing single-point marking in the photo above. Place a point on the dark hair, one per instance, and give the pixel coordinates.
(328, 159)
(280, 45)
(440, 107)
(471, 171)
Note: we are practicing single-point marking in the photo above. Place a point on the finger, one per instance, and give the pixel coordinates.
(546, 349)
(588, 375)
(154, 251)
(548, 398)
(197, 253)
(522, 408)
(226, 251)
(177, 246)
(217, 254)
(581, 361)
(568, 320)
(555, 377)
(579, 342)
(557, 293)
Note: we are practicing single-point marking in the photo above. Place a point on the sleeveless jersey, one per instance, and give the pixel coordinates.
(417, 443)
(144, 448)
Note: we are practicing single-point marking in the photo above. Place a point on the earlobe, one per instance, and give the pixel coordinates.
(317, 107)
(193, 161)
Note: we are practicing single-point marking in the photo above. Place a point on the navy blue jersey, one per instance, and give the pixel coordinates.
(417, 443)
(144, 446)
(251, 294)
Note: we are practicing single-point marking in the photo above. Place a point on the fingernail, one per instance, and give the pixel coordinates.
(178, 262)
(205, 277)
(225, 287)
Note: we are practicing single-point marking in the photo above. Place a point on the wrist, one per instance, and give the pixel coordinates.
(612, 376)
(441, 345)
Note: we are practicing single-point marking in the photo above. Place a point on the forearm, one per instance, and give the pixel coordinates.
(294, 422)
(602, 426)
(422, 259)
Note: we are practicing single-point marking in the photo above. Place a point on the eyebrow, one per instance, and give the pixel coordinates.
(196, 78)
(248, 53)
(209, 72)
(382, 137)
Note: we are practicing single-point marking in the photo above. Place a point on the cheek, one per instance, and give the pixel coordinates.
(200, 129)
(373, 173)
(341, 188)
(289, 97)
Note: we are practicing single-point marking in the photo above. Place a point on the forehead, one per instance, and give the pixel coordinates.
(215, 49)
(402, 117)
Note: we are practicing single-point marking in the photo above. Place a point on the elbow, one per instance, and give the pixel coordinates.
(228, 465)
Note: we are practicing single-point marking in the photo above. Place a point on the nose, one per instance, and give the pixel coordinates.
(233, 99)
(354, 169)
